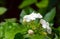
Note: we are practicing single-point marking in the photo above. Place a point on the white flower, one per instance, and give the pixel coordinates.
(28, 18)
(39, 15)
(49, 30)
(36, 15)
(30, 32)
(45, 25)
(32, 16)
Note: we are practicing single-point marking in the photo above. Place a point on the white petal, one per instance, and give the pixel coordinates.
(34, 15)
(44, 25)
(31, 17)
(39, 15)
(49, 30)
(47, 23)
(42, 21)
(26, 16)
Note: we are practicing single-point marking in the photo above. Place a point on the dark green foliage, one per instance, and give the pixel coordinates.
(50, 15)
(19, 36)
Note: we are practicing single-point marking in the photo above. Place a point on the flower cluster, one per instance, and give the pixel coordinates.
(45, 25)
(33, 16)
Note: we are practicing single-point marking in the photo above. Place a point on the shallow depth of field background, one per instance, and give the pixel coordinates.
(13, 8)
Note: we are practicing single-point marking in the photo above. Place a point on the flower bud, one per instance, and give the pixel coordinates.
(30, 32)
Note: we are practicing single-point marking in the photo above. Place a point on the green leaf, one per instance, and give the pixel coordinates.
(56, 37)
(37, 36)
(1, 31)
(11, 20)
(50, 15)
(10, 30)
(58, 29)
(26, 3)
(2, 10)
(42, 4)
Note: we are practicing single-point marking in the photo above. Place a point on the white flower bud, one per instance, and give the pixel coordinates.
(30, 32)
